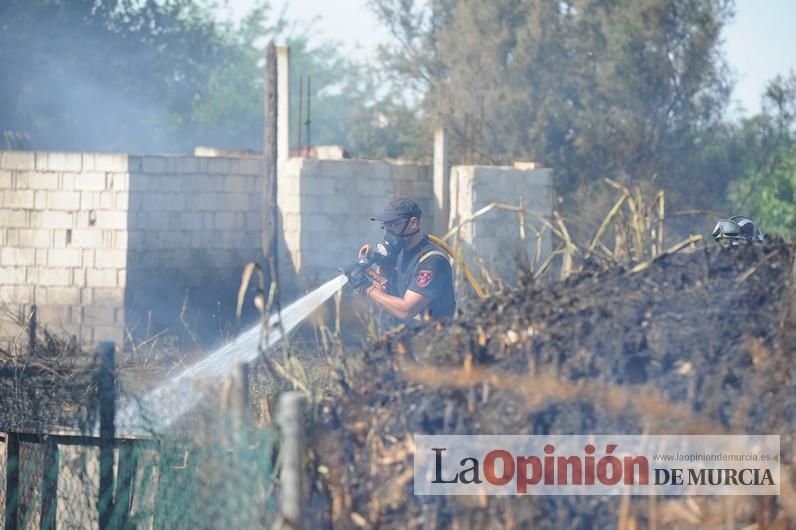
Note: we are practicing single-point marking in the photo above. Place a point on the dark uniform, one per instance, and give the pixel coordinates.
(426, 270)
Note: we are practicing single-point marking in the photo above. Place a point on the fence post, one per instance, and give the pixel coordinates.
(32, 324)
(290, 418)
(107, 413)
(49, 485)
(12, 481)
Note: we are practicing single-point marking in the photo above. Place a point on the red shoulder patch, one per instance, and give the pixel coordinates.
(423, 278)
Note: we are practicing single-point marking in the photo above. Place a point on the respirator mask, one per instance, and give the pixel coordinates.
(394, 241)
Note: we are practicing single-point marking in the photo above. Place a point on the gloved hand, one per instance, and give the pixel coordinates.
(358, 277)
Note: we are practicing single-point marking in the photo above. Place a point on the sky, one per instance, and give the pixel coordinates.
(758, 44)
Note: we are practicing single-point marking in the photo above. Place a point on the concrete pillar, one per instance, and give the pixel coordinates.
(441, 182)
(282, 106)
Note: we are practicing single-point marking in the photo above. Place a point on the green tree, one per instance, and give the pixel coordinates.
(121, 75)
(158, 76)
(626, 88)
(767, 143)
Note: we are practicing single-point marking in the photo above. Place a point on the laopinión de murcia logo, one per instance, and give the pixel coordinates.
(599, 465)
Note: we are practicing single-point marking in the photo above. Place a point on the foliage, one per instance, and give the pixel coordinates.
(767, 143)
(589, 87)
(122, 75)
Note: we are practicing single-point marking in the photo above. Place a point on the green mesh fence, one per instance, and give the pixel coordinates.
(168, 482)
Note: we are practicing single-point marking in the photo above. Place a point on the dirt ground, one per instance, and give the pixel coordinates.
(697, 343)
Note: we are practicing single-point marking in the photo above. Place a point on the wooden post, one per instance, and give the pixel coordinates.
(290, 418)
(49, 485)
(270, 161)
(32, 324)
(107, 413)
(243, 376)
(12, 481)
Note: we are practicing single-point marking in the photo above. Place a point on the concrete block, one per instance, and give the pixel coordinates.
(52, 276)
(91, 181)
(54, 315)
(36, 238)
(55, 219)
(63, 200)
(59, 161)
(98, 315)
(171, 183)
(40, 200)
(115, 162)
(206, 201)
(110, 259)
(13, 218)
(101, 277)
(68, 181)
(254, 220)
(108, 296)
(12, 275)
(225, 221)
(106, 200)
(189, 221)
(89, 200)
(111, 219)
(118, 181)
(63, 295)
(121, 200)
(79, 277)
(17, 160)
(11, 256)
(87, 257)
(11, 237)
(235, 183)
(219, 165)
(187, 164)
(43, 181)
(235, 201)
(109, 333)
(121, 278)
(16, 294)
(87, 238)
(5, 179)
(18, 199)
(154, 164)
(120, 239)
(174, 202)
(251, 166)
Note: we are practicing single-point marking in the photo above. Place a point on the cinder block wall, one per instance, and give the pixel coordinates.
(193, 223)
(493, 240)
(100, 242)
(63, 233)
(326, 206)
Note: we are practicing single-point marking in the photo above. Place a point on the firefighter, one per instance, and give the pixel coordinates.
(413, 276)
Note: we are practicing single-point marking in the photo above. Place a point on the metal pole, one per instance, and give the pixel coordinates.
(290, 418)
(107, 413)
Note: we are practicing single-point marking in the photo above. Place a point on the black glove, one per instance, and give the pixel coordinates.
(357, 276)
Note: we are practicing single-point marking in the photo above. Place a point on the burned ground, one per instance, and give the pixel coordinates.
(695, 343)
